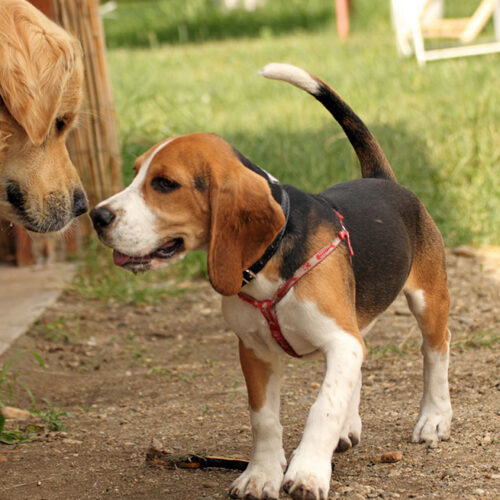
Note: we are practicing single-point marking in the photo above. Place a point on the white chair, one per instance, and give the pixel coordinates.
(417, 20)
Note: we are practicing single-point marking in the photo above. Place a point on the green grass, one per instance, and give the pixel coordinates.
(439, 125)
(9, 377)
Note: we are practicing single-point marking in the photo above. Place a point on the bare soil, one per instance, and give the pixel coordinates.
(129, 373)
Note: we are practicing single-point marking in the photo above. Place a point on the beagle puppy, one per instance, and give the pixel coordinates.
(298, 273)
(41, 78)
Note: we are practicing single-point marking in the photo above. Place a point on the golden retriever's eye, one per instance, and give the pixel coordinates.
(61, 124)
(164, 185)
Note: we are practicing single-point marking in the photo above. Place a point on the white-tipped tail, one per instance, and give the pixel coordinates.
(291, 74)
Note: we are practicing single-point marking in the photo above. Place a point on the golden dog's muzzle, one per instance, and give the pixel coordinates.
(53, 213)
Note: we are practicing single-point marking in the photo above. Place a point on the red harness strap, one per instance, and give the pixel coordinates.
(268, 307)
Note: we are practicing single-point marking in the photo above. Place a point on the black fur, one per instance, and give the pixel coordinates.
(382, 219)
(275, 187)
(15, 197)
(200, 184)
(307, 212)
(371, 157)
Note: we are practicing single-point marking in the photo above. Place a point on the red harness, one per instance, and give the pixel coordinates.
(268, 307)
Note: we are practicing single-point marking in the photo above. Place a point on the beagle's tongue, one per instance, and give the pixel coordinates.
(120, 258)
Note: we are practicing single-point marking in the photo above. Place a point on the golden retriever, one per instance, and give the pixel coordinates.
(41, 75)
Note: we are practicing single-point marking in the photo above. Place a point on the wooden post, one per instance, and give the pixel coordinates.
(45, 6)
(24, 249)
(342, 9)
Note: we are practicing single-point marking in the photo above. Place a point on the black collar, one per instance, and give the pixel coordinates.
(251, 273)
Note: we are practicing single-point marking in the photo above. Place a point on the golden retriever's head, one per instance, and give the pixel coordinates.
(41, 75)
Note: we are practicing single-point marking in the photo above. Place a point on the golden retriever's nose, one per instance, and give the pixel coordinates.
(101, 218)
(80, 204)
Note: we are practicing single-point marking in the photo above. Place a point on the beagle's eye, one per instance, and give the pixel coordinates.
(164, 185)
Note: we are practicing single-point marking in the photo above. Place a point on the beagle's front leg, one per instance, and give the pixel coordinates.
(309, 472)
(263, 475)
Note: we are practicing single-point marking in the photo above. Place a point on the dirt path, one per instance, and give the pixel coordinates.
(129, 373)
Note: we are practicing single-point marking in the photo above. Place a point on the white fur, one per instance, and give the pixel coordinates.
(310, 466)
(291, 74)
(264, 474)
(434, 421)
(132, 232)
(271, 177)
(307, 330)
(352, 425)
(416, 301)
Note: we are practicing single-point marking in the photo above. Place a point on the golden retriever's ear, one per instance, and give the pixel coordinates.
(37, 58)
(245, 219)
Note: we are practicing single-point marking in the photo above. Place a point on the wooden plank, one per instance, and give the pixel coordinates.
(461, 51)
(445, 28)
(478, 20)
(24, 248)
(7, 242)
(45, 6)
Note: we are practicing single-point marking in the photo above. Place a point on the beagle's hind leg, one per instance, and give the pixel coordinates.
(428, 298)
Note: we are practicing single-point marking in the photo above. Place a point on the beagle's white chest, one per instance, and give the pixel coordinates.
(301, 323)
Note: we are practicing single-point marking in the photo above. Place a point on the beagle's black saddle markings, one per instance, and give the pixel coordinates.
(308, 272)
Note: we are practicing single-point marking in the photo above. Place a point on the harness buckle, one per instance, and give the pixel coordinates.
(248, 276)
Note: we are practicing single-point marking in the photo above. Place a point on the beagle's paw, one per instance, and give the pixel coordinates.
(433, 425)
(307, 477)
(258, 482)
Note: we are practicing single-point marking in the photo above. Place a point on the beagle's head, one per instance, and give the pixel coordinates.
(191, 192)
(41, 76)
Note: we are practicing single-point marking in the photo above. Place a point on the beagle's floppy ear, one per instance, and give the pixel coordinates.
(37, 58)
(245, 219)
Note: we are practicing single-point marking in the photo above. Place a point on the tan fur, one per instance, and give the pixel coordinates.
(330, 285)
(428, 273)
(41, 76)
(257, 374)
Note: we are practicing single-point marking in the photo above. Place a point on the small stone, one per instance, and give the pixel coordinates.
(479, 491)
(71, 441)
(156, 444)
(486, 439)
(447, 473)
(391, 457)
(464, 251)
(15, 413)
(210, 484)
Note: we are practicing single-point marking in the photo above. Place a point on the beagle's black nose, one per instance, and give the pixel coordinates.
(101, 218)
